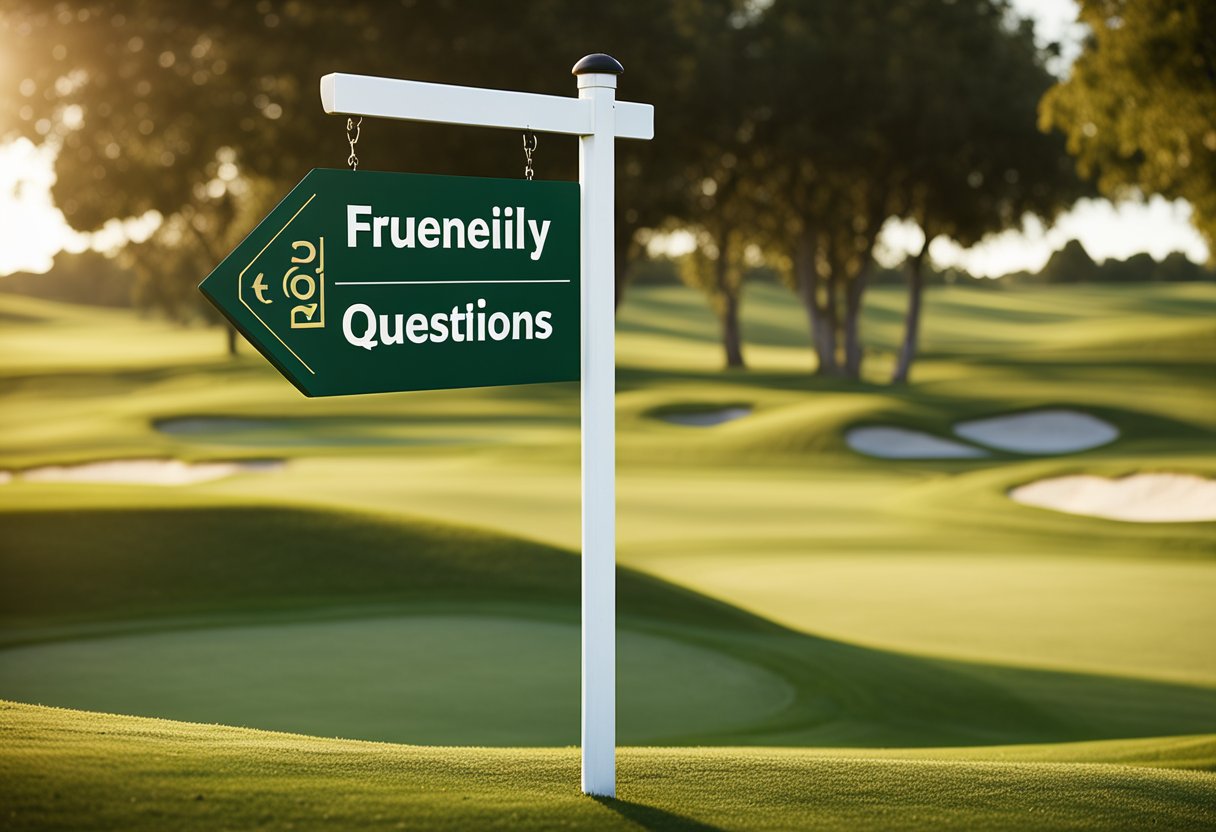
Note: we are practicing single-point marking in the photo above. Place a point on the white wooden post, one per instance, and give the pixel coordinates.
(598, 119)
(596, 171)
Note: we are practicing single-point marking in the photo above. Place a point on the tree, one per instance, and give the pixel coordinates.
(1139, 268)
(85, 278)
(163, 105)
(716, 268)
(913, 108)
(974, 160)
(685, 55)
(719, 194)
(191, 242)
(1139, 107)
(1177, 267)
(1070, 264)
(825, 121)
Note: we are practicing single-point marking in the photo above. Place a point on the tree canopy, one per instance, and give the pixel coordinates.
(790, 131)
(1139, 107)
(919, 109)
(169, 106)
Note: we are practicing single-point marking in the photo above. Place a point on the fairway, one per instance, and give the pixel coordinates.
(897, 643)
(1124, 617)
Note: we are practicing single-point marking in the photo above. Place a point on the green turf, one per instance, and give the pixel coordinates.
(790, 592)
(273, 570)
(437, 679)
(70, 770)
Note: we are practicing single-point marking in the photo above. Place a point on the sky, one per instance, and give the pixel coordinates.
(32, 229)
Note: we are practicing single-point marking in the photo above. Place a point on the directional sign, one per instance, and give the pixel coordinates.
(365, 282)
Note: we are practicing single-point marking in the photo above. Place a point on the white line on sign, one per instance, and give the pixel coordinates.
(432, 282)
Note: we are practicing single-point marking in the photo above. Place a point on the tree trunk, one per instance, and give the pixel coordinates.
(732, 341)
(728, 303)
(855, 294)
(852, 322)
(855, 291)
(230, 338)
(832, 317)
(907, 351)
(806, 277)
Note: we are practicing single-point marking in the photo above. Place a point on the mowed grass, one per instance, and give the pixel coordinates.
(764, 512)
(410, 576)
(141, 774)
(359, 626)
(430, 679)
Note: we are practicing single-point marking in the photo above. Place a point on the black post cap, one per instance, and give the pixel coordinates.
(598, 62)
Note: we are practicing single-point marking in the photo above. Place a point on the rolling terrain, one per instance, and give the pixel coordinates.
(808, 637)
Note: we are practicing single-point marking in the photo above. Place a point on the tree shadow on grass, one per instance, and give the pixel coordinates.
(652, 818)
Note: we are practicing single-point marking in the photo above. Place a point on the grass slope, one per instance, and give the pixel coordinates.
(252, 557)
(286, 602)
(71, 770)
(909, 610)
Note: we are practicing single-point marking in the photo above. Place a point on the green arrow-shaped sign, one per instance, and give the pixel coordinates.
(365, 282)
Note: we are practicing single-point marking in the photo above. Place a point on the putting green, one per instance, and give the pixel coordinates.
(443, 680)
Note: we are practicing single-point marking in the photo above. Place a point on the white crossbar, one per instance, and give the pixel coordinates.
(368, 95)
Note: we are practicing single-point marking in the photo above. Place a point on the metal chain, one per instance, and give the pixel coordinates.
(529, 149)
(353, 125)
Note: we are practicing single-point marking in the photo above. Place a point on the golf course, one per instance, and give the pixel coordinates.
(982, 600)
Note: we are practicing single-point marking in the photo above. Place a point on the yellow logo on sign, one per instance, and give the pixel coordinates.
(300, 284)
(302, 316)
(305, 281)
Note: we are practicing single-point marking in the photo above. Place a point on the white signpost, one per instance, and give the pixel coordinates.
(598, 119)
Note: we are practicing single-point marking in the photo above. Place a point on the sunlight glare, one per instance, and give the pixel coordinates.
(32, 229)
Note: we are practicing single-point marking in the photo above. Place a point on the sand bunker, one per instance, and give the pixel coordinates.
(1040, 432)
(1139, 498)
(904, 443)
(147, 471)
(705, 418)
